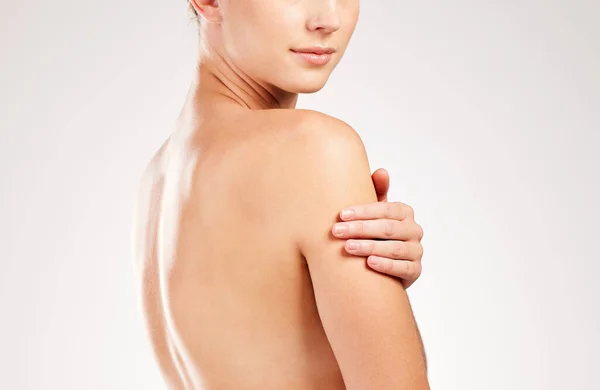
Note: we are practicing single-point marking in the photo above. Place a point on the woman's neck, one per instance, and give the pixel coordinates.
(215, 78)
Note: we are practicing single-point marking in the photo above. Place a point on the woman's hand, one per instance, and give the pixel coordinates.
(385, 232)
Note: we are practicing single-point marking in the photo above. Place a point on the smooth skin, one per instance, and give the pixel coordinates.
(242, 282)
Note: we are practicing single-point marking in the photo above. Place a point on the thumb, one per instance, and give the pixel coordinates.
(381, 181)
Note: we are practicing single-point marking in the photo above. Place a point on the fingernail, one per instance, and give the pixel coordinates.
(340, 228)
(348, 213)
(373, 261)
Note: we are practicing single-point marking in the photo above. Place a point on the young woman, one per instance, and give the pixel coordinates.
(244, 282)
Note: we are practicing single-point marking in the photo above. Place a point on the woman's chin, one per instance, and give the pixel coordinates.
(307, 85)
(310, 89)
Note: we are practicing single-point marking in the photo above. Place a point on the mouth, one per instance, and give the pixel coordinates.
(315, 50)
(314, 56)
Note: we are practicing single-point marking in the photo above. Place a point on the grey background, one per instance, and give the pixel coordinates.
(486, 114)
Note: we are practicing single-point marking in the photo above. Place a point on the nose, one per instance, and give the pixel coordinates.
(325, 17)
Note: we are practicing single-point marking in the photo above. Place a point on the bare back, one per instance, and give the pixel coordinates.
(231, 307)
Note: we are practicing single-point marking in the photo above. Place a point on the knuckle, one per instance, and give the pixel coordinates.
(389, 228)
(387, 265)
(398, 251)
(420, 232)
(369, 247)
(403, 268)
(418, 270)
(414, 272)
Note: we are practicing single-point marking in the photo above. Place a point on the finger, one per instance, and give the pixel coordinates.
(407, 270)
(383, 229)
(381, 181)
(398, 250)
(390, 210)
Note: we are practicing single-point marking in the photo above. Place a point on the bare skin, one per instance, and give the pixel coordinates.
(242, 281)
(227, 294)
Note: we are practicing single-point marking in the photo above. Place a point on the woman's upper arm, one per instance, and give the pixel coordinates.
(366, 315)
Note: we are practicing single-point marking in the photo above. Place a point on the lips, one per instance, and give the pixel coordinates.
(315, 50)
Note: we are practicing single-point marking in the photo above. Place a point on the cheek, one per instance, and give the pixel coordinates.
(352, 18)
(260, 25)
(260, 49)
(347, 30)
(251, 48)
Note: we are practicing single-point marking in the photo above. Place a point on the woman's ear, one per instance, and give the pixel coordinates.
(208, 9)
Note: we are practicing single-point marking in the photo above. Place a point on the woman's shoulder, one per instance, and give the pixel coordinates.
(314, 143)
(310, 126)
(301, 116)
